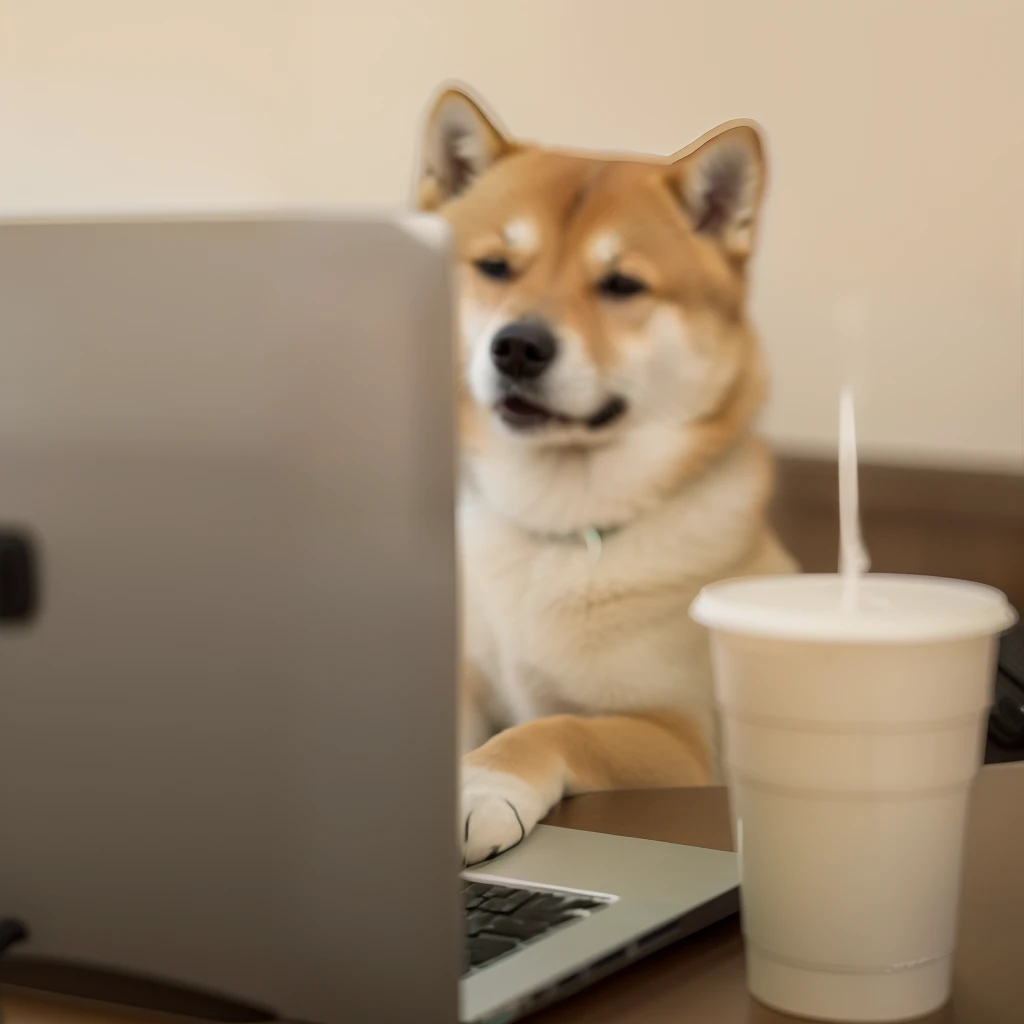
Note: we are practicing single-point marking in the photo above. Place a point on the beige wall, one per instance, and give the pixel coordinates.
(896, 133)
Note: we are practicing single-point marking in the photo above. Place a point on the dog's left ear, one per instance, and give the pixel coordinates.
(460, 143)
(720, 181)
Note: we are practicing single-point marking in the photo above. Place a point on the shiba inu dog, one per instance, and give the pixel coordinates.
(609, 381)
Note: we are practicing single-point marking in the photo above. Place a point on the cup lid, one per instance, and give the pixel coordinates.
(888, 609)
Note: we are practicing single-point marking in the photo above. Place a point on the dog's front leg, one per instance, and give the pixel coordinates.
(516, 777)
(474, 725)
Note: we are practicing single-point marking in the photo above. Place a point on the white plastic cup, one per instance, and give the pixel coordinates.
(851, 741)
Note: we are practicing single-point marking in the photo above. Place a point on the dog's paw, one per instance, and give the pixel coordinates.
(499, 811)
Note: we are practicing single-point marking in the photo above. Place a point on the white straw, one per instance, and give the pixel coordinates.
(853, 557)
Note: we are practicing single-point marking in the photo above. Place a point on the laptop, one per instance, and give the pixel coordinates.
(228, 641)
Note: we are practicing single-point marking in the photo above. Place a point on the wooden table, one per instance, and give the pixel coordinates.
(701, 979)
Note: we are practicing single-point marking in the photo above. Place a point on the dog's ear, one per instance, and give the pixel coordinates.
(720, 181)
(460, 143)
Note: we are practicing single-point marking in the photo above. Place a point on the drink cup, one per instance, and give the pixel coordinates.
(852, 734)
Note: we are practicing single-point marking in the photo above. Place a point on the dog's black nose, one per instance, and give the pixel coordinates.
(523, 349)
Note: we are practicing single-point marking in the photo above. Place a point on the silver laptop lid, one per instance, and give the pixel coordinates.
(228, 750)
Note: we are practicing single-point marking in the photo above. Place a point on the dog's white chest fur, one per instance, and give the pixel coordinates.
(551, 629)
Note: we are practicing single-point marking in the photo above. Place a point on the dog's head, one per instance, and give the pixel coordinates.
(602, 300)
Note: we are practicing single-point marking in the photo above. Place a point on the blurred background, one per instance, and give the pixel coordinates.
(896, 210)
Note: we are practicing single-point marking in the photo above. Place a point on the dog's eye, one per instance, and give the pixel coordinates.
(495, 268)
(620, 286)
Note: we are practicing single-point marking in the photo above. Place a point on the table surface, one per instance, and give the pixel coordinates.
(701, 979)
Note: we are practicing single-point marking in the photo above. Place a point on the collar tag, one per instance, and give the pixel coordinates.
(595, 544)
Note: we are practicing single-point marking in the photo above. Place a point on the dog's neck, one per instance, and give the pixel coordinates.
(587, 496)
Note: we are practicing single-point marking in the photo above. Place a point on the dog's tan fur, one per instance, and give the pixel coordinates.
(586, 673)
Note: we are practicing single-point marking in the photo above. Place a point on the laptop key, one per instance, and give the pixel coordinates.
(497, 892)
(478, 921)
(508, 904)
(484, 948)
(542, 906)
(517, 928)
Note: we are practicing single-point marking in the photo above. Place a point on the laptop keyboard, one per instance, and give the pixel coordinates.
(501, 919)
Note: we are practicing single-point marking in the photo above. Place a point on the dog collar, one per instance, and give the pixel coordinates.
(592, 537)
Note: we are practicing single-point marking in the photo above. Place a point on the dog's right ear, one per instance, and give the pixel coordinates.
(461, 142)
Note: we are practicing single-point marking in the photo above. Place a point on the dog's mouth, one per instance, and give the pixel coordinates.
(525, 414)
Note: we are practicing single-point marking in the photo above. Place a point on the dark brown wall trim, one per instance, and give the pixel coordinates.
(936, 522)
